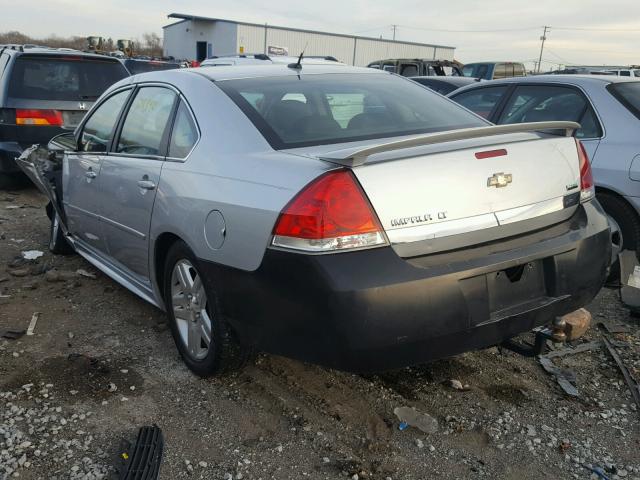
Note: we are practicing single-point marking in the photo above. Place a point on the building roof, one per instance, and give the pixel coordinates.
(184, 16)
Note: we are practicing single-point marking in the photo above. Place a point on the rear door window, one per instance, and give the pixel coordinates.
(537, 103)
(410, 70)
(500, 71)
(184, 134)
(482, 101)
(627, 93)
(97, 131)
(145, 125)
(63, 78)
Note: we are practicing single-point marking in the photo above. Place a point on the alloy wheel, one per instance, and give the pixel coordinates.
(189, 304)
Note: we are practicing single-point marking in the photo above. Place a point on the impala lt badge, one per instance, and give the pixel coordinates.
(499, 180)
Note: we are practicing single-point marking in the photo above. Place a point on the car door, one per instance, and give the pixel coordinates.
(539, 103)
(130, 175)
(81, 172)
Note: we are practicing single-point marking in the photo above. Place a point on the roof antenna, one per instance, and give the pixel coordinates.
(298, 64)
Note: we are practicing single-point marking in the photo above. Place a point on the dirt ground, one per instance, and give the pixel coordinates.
(102, 363)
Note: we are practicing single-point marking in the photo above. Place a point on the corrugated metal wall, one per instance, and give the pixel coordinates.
(252, 38)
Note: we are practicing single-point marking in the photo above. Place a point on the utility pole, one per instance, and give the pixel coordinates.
(542, 38)
(394, 30)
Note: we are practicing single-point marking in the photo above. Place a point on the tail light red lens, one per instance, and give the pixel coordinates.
(39, 117)
(587, 187)
(331, 213)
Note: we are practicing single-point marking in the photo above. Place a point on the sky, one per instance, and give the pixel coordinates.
(581, 31)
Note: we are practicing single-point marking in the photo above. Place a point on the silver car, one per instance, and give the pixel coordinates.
(343, 216)
(608, 109)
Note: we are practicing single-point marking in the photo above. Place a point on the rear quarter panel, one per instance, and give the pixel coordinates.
(232, 170)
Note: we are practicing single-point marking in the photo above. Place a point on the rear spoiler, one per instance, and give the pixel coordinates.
(351, 157)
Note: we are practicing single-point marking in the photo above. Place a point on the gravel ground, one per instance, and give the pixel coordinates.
(102, 363)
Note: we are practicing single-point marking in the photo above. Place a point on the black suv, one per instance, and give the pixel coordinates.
(44, 92)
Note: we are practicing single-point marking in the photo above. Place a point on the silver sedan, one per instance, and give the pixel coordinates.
(338, 215)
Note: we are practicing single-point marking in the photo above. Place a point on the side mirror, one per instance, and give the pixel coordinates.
(61, 143)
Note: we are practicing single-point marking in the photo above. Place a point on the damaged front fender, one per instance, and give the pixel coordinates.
(44, 169)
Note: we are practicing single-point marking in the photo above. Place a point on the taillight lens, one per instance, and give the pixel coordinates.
(587, 188)
(39, 117)
(331, 213)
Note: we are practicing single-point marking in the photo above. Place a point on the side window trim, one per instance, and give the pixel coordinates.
(80, 128)
(181, 98)
(164, 143)
(496, 111)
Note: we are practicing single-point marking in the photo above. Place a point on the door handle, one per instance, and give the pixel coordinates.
(90, 174)
(146, 184)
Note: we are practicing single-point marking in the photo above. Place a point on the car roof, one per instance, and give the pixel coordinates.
(38, 50)
(581, 80)
(274, 70)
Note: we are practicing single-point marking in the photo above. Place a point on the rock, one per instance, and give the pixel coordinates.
(203, 464)
(456, 384)
(577, 323)
(419, 443)
(20, 272)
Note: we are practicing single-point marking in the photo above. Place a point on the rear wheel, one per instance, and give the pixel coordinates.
(57, 242)
(203, 338)
(625, 225)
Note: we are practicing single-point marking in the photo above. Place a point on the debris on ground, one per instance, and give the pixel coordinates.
(565, 378)
(630, 280)
(143, 458)
(32, 323)
(631, 382)
(457, 385)
(576, 324)
(32, 254)
(12, 334)
(409, 416)
(84, 273)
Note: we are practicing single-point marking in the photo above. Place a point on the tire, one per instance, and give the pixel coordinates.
(57, 242)
(204, 339)
(625, 217)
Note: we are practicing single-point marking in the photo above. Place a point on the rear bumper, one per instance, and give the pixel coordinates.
(372, 310)
(8, 153)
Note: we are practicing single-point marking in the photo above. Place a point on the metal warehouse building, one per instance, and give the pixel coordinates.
(193, 37)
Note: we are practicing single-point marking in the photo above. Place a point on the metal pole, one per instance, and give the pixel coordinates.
(394, 30)
(543, 38)
(265, 38)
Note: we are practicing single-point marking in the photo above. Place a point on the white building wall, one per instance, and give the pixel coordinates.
(227, 38)
(251, 39)
(315, 43)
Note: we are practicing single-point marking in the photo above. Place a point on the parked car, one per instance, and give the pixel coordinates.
(137, 65)
(444, 85)
(608, 109)
(339, 215)
(494, 70)
(418, 67)
(627, 72)
(263, 59)
(44, 92)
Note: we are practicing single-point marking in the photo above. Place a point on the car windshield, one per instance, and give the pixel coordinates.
(627, 93)
(143, 66)
(65, 78)
(476, 70)
(297, 111)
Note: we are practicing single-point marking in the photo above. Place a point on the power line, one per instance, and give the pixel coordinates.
(589, 29)
(470, 31)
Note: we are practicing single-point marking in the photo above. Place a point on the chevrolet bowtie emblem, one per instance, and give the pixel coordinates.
(499, 180)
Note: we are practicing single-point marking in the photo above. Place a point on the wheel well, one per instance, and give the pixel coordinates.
(617, 195)
(163, 244)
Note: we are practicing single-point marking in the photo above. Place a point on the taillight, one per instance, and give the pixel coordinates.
(39, 117)
(587, 188)
(331, 213)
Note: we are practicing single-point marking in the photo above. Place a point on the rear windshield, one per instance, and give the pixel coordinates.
(142, 66)
(309, 110)
(627, 93)
(63, 78)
